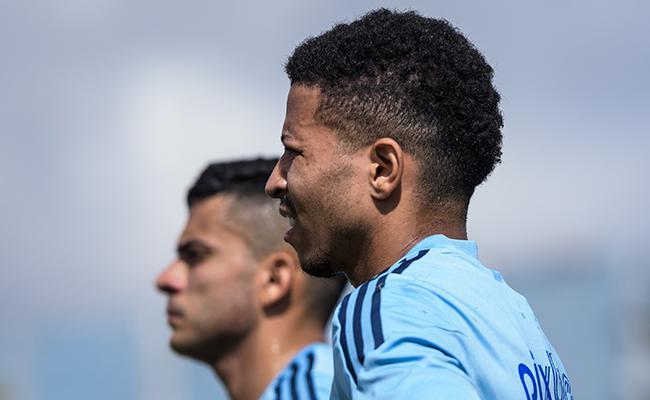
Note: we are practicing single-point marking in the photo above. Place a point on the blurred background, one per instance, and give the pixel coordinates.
(110, 108)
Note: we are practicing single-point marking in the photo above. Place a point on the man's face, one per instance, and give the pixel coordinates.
(210, 285)
(316, 181)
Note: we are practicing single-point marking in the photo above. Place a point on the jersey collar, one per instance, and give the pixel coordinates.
(439, 241)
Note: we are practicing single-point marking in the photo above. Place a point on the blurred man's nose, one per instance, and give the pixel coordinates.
(172, 279)
(276, 185)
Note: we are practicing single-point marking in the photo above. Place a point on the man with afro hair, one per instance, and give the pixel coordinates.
(392, 121)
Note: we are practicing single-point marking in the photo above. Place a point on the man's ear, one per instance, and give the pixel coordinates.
(387, 167)
(277, 280)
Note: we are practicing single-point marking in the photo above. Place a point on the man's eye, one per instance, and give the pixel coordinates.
(192, 258)
(289, 152)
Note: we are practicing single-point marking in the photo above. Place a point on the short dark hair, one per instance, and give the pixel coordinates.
(240, 178)
(251, 209)
(412, 78)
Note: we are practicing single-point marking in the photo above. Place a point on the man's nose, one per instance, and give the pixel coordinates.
(276, 185)
(172, 279)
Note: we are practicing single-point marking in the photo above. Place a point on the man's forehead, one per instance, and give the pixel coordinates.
(302, 103)
(210, 216)
(212, 208)
(299, 93)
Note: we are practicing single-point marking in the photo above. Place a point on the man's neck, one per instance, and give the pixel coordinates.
(248, 370)
(394, 237)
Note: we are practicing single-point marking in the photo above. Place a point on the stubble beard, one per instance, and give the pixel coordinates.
(319, 266)
(333, 250)
(320, 260)
(208, 350)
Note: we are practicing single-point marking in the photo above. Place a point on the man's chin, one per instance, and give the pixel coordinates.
(206, 349)
(190, 349)
(319, 268)
(314, 265)
(181, 346)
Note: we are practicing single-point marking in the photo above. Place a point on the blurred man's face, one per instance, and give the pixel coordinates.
(317, 185)
(210, 285)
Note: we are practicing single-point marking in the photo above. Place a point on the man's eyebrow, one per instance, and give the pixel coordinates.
(192, 244)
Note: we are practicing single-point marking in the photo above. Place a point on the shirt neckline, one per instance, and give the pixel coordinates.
(467, 247)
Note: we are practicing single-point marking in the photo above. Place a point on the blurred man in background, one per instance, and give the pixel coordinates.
(238, 299)
(391, 122)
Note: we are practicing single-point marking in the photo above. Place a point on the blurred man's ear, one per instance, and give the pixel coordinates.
(276, 281)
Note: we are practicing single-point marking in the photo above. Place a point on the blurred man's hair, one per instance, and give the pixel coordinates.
(261, 224)
(412, 78)
(242, 178)
(251, 209)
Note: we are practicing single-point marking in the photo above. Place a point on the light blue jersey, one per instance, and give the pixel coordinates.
(440, 325)
(307, 377)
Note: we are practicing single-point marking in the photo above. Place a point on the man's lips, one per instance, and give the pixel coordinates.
(287, 210)
(286, 214)
(173, 313)
(173, 309)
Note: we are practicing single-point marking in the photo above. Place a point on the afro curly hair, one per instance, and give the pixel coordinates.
(415, 79)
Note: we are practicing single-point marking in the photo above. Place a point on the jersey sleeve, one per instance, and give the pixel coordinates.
(421, 352)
